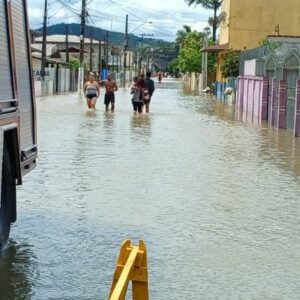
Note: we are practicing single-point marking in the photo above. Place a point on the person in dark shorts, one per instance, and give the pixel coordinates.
(137, 103)
(110, 88)
(144, 94)
(151, 88)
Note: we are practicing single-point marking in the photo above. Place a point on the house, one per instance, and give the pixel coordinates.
(269, 83)
(244, 24)
(111, 56)
(53, 56)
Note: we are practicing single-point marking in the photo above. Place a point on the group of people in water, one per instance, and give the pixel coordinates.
(141, 90)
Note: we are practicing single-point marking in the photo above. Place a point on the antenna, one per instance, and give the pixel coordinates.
(222, 17)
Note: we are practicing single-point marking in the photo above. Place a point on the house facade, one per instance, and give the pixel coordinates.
(111, 56)
(269, 84)
(244, 24)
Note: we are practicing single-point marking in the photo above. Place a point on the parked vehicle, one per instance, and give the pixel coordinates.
(18, 150)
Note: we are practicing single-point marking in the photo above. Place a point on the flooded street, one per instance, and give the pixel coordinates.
(216, 201)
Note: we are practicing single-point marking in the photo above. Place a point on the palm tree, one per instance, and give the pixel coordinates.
(181, 35)
(209, 4)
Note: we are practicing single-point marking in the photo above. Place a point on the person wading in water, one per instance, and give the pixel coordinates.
(91, 91)
(110, 87)
(137, 103)
(151, 88)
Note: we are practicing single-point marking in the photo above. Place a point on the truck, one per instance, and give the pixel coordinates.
(18, 145)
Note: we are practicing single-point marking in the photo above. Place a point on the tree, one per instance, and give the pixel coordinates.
(230, 65)
(190, 55)
(74, 64)
(271, 45)
(181, 35)
(173, 67)
(209, 4)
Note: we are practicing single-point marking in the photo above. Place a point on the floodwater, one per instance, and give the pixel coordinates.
(216, 201)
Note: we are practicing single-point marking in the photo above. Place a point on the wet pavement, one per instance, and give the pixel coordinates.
(216, 201)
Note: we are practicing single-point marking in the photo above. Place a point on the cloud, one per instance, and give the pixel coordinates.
(167, 16)
(35, 12)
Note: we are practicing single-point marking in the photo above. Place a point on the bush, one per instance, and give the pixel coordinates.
(231, 64)
(74, 64)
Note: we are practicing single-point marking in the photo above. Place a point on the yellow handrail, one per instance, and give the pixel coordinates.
(131, 266)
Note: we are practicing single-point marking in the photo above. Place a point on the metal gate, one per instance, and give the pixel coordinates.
(291, 74)
(270, 75)
(291, 77)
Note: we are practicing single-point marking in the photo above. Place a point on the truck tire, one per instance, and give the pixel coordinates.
(8, 192)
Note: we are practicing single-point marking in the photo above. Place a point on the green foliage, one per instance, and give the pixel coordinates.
(74, 64)
(230, 66)
(212, 58)
(181, 35)
(272, 45)
(209, 4)
(173, 67)
(190, 55)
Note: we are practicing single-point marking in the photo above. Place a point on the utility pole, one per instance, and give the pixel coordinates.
(82, 34)
(91, 49)
(141, 56)
(67, 43)
(44, 46)
(125, 49)
(113, 57)
(107, 50)
(204, 60)
(100, 60)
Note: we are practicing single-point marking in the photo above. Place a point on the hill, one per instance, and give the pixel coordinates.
(114, 37)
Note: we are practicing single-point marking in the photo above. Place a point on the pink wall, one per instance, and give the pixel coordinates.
(252, 97)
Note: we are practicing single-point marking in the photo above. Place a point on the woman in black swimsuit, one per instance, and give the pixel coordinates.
(91, 91)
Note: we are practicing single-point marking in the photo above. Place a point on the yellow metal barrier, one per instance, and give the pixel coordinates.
(131, 266)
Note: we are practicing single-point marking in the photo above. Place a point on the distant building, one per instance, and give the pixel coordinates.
(53, 56)
(112, 56)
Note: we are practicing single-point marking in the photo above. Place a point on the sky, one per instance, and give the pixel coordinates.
(162, 18)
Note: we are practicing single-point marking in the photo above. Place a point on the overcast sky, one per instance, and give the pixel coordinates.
(162, 18)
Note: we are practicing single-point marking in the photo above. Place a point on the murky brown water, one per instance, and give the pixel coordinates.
(216, 201)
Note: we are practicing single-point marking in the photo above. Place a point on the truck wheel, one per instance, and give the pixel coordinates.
(8, 191)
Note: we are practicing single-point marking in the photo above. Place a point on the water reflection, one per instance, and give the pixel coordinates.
(279, 146)
(141, 125)
(108, 120)
(18, 271)
(282, 147)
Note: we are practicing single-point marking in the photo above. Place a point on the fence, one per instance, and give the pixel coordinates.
(220, 88)
(259, 99)
(193, 82)
(57, 80)
(252, 94)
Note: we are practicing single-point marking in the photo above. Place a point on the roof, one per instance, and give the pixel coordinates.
(50, 60)
(215, 48)
(72, 50)
(50, 48)
(61, 38)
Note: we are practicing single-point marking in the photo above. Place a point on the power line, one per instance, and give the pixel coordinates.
(120, 6)
(65, 5)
